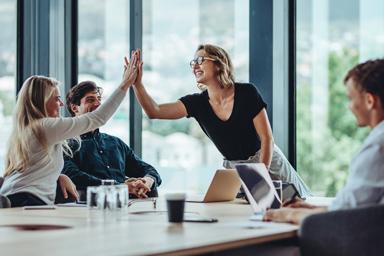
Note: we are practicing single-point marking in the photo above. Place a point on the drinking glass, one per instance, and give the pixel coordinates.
(122, 201)
(108, 202)
(94, 208)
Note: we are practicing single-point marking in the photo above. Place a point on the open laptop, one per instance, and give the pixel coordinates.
(224, 187)
(258, 187)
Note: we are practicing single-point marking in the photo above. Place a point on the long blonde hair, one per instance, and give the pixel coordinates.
(30, 108)
(226, 74)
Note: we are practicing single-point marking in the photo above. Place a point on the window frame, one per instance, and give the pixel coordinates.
(36, 21)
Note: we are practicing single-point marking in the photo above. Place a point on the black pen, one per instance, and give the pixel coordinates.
(292, 199)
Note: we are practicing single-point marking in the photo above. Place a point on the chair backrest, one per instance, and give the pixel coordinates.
(4, 202)
(356, 231)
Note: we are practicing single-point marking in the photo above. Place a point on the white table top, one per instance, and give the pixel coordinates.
(137, 234)
(320, 201)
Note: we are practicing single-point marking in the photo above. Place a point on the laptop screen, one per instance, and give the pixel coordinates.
(258, 186)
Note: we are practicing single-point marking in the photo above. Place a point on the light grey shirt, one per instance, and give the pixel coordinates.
(40, 177)
(365, 184)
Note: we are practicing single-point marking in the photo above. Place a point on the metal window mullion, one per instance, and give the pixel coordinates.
(32, 40)
(261, 50)
(292, 82)
(70, 45)
(135, 41)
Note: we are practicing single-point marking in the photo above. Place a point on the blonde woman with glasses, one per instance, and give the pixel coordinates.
(34, 158)
(231, 114)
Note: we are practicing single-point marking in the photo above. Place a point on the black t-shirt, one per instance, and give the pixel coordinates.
(235, 138)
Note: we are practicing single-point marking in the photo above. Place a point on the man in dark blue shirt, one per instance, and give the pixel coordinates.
(102, 156)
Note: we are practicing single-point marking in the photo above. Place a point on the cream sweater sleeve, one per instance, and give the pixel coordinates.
(59, 129)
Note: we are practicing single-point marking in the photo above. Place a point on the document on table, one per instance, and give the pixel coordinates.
(40, 207)
(252, 224)
(256, 217)
(72, 205)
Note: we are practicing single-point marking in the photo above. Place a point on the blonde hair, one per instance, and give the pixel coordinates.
(226, 74)
(30, 108)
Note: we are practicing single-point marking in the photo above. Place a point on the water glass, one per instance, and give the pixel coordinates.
(94, 211)
(122, 201)
(108, 202)
(102, 203)
(107, 182)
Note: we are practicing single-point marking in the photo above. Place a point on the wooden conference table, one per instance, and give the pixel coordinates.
(148, 233)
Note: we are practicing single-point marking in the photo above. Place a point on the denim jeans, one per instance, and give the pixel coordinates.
(24, 199)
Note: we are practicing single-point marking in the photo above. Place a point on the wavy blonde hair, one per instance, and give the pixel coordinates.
(226, 74)
(30, 108)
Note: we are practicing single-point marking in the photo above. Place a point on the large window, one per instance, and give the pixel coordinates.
(103, 42)
(172, 30)
(7, 72)
(332, 37)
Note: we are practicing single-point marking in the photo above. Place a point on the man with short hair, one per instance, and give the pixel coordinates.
(102, 156)
(365, 184)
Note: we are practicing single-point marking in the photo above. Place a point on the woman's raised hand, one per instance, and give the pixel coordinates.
(130, 72)
(139, 77)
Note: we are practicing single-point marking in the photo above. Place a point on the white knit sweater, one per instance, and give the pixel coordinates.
(41, 176)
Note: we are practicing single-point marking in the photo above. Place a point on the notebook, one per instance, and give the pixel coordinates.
(258, 187)
(224, 187)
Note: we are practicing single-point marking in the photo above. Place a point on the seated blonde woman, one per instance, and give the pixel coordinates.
(34, 158)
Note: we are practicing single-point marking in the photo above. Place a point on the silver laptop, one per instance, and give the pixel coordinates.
(224, 187)
(258, 187)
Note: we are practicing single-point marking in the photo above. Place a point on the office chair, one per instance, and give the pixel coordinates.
(358, 231)
(1, 181)
(4, 201)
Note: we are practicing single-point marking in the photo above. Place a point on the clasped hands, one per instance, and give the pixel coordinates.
(139, 186)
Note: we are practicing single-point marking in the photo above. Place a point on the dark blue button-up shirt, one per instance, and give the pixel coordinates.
(103, 156)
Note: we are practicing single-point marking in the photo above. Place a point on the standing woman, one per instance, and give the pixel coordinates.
(231, 114)
(34, 158)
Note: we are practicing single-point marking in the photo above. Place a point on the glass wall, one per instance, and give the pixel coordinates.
(172, 30)
(184, 156)
(7, 72)
(103, 42)
(332, 37)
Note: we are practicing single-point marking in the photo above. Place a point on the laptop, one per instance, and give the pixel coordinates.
(258, 187)
(224, 187)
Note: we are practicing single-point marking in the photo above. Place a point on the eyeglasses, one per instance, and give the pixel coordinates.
(199, 61)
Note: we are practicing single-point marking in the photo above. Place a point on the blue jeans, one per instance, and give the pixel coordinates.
(24, 199)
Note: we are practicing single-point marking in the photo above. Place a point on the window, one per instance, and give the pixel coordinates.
(7, 72)
(103, 40)
(172, 30)
(332, 37)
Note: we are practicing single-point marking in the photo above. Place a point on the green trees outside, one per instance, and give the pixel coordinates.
(325, 169)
